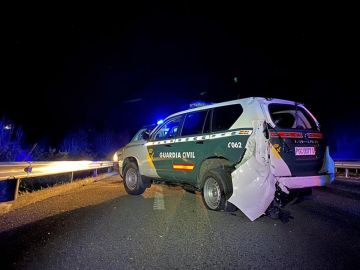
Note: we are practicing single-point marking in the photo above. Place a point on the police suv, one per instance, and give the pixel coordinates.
(201, 147)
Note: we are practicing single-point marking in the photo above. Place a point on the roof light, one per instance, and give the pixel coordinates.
(160, 122)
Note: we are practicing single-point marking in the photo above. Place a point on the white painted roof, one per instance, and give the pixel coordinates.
(242, 101)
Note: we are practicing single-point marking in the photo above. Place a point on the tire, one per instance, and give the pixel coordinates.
(133, 182)
(213, 192)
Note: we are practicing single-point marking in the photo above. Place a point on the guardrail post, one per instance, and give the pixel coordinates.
(72, 177)
(17, 188)
(346, 173)
(109, 169)
(95, 173)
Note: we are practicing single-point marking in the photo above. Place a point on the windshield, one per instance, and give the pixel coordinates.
(287, 116)
(138, 135)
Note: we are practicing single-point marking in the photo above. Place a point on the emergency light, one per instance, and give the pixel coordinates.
(199, 103)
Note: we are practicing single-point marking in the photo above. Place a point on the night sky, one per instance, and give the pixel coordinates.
(123, 69)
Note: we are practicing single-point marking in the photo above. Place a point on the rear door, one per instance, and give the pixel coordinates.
(209, 134)
(296, 138)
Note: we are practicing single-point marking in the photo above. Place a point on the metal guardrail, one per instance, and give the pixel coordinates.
(348, 165)
(19, 170)
(12, 172)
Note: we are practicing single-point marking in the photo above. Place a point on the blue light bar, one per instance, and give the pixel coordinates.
(199, 103)
(160, 122)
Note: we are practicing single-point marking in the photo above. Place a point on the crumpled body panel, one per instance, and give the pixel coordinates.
(253, 181)
(253, 188)
(255, 178)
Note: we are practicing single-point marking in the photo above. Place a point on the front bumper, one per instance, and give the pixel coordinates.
(304, 181)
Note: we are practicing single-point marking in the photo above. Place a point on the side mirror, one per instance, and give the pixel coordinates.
(145, 135)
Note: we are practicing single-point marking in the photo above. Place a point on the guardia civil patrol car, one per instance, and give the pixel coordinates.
(200, 148)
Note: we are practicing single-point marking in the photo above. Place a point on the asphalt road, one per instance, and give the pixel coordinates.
(99, 226)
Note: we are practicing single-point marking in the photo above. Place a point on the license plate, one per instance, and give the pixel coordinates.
(304, 151)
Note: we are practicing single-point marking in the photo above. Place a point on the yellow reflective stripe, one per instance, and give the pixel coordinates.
(150, 162)
(275, 152)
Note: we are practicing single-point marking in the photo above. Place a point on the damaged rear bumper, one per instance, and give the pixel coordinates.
(291, 182)
(256, 177)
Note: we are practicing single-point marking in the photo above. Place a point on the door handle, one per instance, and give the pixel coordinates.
(200, 142)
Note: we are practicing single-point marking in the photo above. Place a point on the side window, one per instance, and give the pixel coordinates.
(169, 129)
(193, 123)
(224, 117)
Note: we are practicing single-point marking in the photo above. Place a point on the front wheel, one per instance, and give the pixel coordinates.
(213, 192)
(132, 180)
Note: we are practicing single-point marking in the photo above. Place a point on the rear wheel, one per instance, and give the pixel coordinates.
(132, 180)
(213, 192)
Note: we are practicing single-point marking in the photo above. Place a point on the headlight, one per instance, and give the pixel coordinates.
(115, 157)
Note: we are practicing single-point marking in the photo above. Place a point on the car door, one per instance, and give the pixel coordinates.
(191, 145)
(161, 148)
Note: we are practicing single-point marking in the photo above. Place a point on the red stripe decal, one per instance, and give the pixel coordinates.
(282, 134)
(183, 167)
(315, 135)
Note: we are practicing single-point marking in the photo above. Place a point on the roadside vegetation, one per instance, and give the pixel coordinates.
(80, 144)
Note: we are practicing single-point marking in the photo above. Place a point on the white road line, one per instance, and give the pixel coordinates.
(159, 203)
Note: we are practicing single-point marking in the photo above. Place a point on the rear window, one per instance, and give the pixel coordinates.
(224, 117)
(289, 116)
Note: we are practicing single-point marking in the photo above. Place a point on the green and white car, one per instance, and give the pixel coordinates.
(203, 147)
